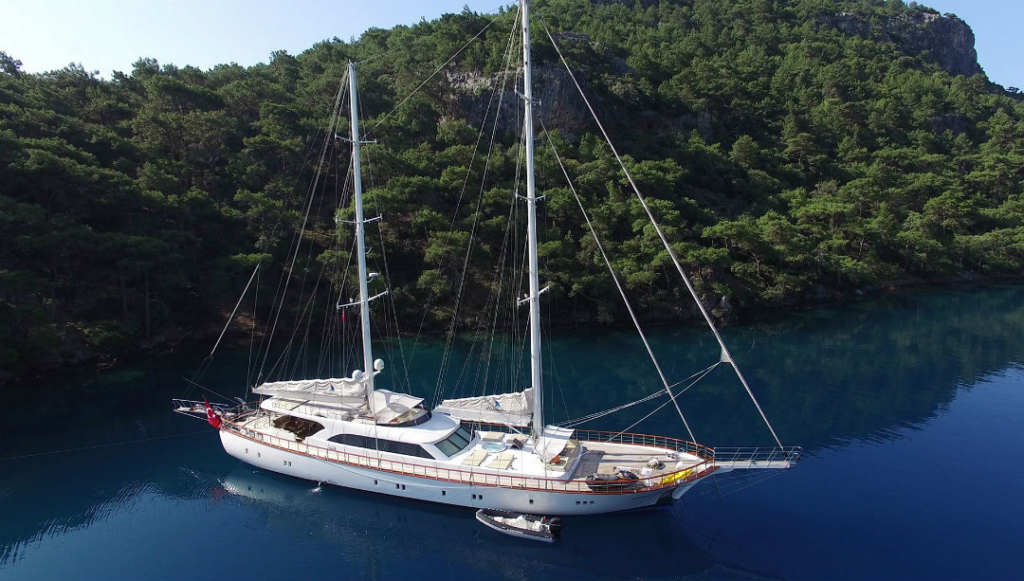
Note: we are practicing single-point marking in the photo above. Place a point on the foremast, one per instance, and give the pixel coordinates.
(360, 223)
(531, 231)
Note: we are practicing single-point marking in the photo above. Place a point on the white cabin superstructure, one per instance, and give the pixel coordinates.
(491, 451)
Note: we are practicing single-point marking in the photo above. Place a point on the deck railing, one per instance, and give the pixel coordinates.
(478, 478)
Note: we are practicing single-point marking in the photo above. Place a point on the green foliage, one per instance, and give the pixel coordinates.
(784, 159)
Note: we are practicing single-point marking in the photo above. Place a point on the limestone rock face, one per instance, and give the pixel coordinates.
(947, 40)
(556, 101)
(944, 40)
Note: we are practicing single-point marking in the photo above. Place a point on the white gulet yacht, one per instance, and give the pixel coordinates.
(466, 452)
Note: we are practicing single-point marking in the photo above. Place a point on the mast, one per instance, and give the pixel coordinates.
(531, 231)
(364, 297)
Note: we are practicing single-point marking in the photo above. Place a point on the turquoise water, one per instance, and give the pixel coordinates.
(909, 409)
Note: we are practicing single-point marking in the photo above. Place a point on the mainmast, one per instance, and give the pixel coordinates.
(364, 296)
(531, 231)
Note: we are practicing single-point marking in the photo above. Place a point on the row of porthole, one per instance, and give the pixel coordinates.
(443, 492)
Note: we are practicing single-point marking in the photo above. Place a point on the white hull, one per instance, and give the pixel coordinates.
(442, 491)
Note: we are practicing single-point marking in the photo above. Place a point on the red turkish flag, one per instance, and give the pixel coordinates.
(211, 416)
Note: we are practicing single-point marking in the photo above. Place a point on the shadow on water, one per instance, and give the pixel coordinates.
(658, 544)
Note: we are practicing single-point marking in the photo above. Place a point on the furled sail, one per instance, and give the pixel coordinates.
(334, 390)
(513, 409)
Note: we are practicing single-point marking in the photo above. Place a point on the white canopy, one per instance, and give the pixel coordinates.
(513, 409)
(389, 405)
(552, 442)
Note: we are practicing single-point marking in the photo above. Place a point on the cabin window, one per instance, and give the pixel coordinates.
(403, 448)
(455, 443)
(383, 445)
(349, 440)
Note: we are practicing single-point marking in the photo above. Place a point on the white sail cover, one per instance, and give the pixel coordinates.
(552, 442)
(334, 390)
(513, 409)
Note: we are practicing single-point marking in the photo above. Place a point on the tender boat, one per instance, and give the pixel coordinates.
(525, 526)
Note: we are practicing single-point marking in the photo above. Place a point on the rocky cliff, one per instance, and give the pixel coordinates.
(944, 40)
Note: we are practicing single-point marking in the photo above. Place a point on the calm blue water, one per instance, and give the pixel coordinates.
(909, 409)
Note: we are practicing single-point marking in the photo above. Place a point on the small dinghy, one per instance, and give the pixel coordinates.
(527, 526)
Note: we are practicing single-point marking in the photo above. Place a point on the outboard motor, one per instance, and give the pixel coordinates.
(554, 524)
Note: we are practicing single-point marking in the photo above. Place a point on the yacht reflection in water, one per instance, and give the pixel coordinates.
(624, 545)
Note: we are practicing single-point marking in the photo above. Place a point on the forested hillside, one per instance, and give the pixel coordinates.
(795, 150)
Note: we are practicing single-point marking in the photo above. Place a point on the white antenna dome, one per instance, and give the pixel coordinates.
(378, 365)
(357, 375)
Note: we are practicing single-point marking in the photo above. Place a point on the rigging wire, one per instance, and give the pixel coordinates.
(597, 415)
(390, 298)
(726, 355)
(279, 294)
(672, 399)
(110, 445)
(618, 284)
(206, 389)
(494, 300)
(332, 127)
(306, 313)
(439, 386)
(432, 75)
(342, 202)
(232, 316)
